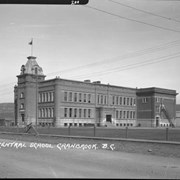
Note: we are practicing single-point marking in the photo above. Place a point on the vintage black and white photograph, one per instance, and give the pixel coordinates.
(90, 89)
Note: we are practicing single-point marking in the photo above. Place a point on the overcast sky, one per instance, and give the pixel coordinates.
(131, 43)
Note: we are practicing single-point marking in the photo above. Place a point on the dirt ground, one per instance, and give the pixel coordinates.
(27, 160)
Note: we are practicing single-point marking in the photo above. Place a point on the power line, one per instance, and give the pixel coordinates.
(125, 56)
(146, 12)
(134, 54)
(133, 20)
(131, 66)
(126, 67)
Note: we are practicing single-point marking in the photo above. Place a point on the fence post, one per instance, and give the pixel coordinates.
(94, 130)
(126, 132)
(167, 134)
(69, 130)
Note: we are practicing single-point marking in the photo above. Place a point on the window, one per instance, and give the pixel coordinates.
(47, 96)
(70, 96)
(89, 98)
(52, 112)
(22, 106)
(117, 113)
(46, 112)
(124, 114)
(157, 99)
(65, 112)
(144, 100)
(131, 103)
(127, 114)
(120, 114)
(101, 99)
(134, 114)
(80, 113)
(117, 100)
(80, 97)
(89, 113)
(120, 101)
(131, 114)
(75, 112)
(98, 99)
(134, 101)
(127, 101)
(52, 96)
(85, 113)
(41, 115)
(157, 108)
(105, 100)
(84, 97)
(75, 97)
(42, 111)
(124, 102)
(44, 97)
(22, 95)
(70, 112)
(113, 99)
(36, 70)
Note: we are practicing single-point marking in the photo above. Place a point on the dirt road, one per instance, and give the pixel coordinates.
(30, 160)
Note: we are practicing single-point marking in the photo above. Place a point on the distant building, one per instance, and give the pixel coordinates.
(61, 102)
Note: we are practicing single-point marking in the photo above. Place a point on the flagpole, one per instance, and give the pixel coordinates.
(32, 47)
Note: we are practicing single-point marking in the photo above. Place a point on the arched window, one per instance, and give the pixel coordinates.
(36, 70)
(22, 95)
(22, 106)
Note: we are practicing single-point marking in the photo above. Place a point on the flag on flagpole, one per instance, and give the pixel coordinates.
(30, 43)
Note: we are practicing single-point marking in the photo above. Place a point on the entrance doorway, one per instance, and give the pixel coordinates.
(109, 118)
(157, 121)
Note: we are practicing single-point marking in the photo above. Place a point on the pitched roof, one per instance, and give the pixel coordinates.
(30, 67)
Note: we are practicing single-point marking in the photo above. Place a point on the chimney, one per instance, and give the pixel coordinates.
(87, 81)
